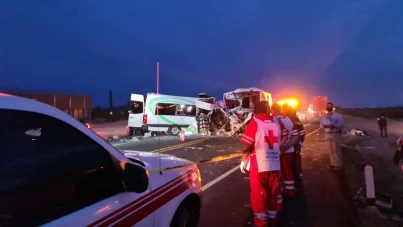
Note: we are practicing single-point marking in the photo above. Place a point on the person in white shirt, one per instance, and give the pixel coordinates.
(333, 124)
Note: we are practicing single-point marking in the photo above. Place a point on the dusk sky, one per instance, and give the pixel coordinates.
(349, 50)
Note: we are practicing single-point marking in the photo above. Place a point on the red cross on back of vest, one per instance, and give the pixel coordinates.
(271, 139)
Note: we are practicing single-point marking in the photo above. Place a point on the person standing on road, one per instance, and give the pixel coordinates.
(262, 140)
(292, 114)
(333, 124)
(287, 150)
(383, 125)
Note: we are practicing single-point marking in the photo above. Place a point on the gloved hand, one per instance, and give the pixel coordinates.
(243, 167)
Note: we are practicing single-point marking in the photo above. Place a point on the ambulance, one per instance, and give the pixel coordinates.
(166, 113)
(54, 171)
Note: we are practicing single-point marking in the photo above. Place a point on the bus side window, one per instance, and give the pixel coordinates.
(166, 109)
(190, 110)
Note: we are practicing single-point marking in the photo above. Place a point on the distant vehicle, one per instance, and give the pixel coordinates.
(56, 172)
(166, 113)
(319, 105)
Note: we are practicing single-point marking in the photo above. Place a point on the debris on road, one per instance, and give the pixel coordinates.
(358, 132)
(194, 148)
(381, 200)
(386, 209)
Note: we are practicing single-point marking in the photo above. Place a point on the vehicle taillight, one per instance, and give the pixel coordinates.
(196, 177)
(145, 119)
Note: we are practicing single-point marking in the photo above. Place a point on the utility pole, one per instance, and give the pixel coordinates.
(110, 100)
(158, 77)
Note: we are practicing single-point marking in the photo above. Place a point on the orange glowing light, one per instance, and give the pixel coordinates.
(292, 102)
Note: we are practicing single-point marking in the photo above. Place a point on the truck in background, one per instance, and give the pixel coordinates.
(318, 106)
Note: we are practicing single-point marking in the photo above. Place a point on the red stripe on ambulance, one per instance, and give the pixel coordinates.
(129, 208)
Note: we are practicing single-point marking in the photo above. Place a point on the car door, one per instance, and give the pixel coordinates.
(52, 174)
(186, 117)
(136, 112)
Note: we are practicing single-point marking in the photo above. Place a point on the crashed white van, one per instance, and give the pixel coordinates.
(166, 113)
(245, 98)
(239, 105)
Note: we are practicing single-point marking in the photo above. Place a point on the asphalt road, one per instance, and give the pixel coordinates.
(226, 199)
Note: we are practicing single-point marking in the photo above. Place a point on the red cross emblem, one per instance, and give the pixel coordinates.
(271, 139)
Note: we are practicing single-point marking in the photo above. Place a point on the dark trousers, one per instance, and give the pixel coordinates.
(384, 131)
(296, 170)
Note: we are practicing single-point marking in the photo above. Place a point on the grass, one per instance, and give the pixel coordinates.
(390, 112)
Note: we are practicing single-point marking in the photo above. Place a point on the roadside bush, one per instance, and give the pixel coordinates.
(390, 112)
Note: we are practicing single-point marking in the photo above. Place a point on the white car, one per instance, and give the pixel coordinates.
(54, 171)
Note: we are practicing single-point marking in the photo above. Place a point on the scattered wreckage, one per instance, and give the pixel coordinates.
(158, 113)
(358, 132)
(233, 113)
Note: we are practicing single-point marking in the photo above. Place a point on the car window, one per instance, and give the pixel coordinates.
(190, 110)
(136, 107)
(49, 169)
(165, 109)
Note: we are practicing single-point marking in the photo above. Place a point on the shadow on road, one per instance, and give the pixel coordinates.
(295, 212)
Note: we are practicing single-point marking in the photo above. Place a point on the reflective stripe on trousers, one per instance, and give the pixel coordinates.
(287, 173)
(280, 199)
(265, 194)
(272, 214)
(261, 216)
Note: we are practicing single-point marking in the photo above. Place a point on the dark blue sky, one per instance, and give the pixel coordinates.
(350, 50)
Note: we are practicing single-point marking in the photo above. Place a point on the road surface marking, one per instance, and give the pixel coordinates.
(178, 146)
(218, 179)
(312, 132)
(137, 140)
(128, 142)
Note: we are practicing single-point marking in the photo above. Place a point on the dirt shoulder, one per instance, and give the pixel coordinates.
(377, 152)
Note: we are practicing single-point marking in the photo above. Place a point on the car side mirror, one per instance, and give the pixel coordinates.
(135, 177)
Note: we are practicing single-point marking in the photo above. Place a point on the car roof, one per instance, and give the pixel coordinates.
(12, 102)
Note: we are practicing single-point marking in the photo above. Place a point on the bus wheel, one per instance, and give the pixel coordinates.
(174, 130)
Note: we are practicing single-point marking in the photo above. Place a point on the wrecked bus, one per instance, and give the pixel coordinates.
(166, 113)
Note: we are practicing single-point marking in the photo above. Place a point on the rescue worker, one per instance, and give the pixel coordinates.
(383, 125)
(292, 114)
(287, 150)
(262, 141)
(333, 124)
